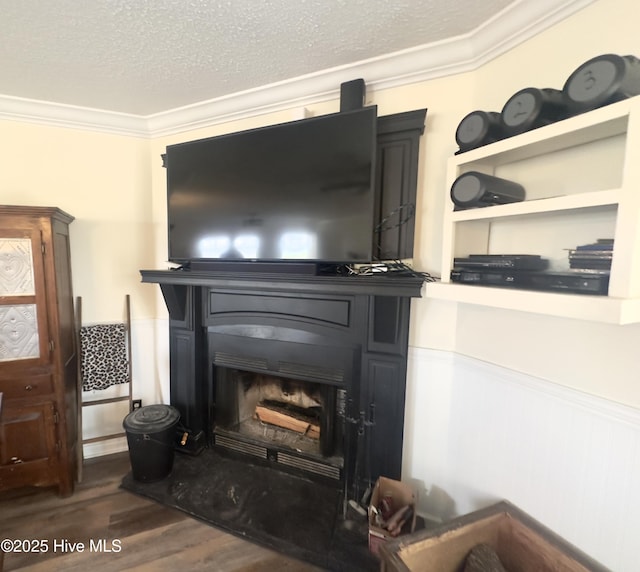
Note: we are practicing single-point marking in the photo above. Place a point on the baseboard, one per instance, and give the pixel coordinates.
(102, 448)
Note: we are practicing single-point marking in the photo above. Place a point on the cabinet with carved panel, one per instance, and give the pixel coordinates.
(38, 361)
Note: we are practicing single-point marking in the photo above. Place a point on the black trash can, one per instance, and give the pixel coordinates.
(150, 436)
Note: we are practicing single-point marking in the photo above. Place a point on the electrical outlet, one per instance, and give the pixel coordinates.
(136, 404)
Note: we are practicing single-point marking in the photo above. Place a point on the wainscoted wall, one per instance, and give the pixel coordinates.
(107, 419)
(476, 432)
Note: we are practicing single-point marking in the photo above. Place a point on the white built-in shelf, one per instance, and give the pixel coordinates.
(582, 182)
(552, 204)
(595, 125)
(583, 307)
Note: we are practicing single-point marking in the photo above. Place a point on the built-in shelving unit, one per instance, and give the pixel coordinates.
(582, 183)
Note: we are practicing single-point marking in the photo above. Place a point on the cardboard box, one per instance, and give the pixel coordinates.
(521, 543)
(397, 495)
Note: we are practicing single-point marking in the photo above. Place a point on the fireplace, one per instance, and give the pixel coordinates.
(298, 384)
(296, 424)
(283, 388)
(324, 356)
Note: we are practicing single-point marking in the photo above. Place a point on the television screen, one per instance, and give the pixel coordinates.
(297, 191)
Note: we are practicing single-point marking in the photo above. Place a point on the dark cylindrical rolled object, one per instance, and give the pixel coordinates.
(532, 107)
(475, 189)
(602, 80)
(478, 128)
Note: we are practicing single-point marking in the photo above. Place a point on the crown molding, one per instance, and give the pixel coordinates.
(512, 26)
(72, 117)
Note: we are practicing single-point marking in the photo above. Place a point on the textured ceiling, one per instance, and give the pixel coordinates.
(147, 56)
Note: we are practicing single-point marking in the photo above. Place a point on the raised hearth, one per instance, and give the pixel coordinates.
(263, 505)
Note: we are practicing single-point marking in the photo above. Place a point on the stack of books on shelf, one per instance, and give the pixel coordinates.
(592, 257)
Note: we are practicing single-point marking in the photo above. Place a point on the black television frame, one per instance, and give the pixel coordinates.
(270, 262)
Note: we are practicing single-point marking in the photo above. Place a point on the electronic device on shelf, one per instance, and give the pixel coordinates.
(531, 108)
(590, 259)
(597, 255)
(602, 80)
(478, 128)
(301, 191)
(576, 282)
(474, 189)
(512, 261)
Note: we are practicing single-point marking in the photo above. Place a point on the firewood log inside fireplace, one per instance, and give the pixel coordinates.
(288, 418)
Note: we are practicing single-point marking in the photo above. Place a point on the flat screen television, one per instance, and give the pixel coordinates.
(301, 191)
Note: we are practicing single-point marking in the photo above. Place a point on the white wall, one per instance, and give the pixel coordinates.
(482, 433)
(103, 181)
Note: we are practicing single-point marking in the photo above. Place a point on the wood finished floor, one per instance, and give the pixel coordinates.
(152, 537)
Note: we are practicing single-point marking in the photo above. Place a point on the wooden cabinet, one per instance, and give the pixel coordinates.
(581, 179)
(38, 362)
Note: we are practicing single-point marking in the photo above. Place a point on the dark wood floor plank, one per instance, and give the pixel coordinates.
(150, 537)
(136, 519)
(102, 477)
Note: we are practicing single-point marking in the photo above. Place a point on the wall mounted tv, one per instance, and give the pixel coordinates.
(301, 191)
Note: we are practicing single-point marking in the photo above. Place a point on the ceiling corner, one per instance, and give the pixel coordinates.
(505, 30)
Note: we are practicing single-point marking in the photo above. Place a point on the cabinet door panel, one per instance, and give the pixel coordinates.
(186, 385)
(398, 145)
(27, 434)
(383, 397)
(24, 334)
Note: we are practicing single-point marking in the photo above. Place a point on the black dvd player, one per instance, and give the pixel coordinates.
(595, 283)
(515, 261)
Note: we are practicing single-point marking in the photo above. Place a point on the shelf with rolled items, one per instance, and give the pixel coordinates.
(580, 186)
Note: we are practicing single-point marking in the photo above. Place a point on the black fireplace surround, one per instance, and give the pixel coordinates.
(343, 339)
(337, 345)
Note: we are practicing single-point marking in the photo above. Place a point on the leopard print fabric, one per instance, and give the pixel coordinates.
(103, 356)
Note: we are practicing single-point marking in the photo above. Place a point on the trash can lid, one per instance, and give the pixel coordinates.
(151, 419)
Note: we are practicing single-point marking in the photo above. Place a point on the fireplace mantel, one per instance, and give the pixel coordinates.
(383, 285)
(357, 325)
